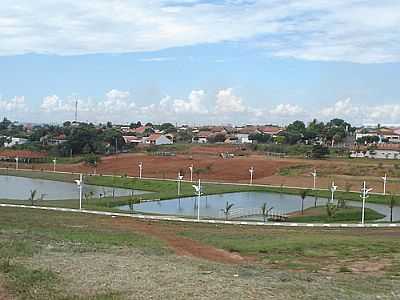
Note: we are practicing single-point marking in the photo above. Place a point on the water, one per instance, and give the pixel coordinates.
(211, 206)
(18, 188)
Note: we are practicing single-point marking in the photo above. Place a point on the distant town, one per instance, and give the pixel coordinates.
(314, 139)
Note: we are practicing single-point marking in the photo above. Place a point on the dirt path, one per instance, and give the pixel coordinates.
(181, 245)
(4, 295)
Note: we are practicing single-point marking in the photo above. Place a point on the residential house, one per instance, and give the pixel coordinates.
(201, 137)
(157, 139)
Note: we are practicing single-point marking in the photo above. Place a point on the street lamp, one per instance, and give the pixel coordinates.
(251, 170)
(384, 178)
(365, 191)
(333, 190)
(54, 164)
(79, 183)
(16, 163)
(140, 169)
(314, 174)
(198, 191)
(191, 173)
(180, 177)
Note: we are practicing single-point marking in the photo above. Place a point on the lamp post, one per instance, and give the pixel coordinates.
(198, 191)
(191, 173)
(180, 177)
(364, 195)
(333, 190)
(140, 169)
(314, 174)
(384, 178)
(79, 183)
(16, 163)
(251, 170)
(54, 164)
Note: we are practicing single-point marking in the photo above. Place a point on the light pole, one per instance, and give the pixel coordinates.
(333, 190)
(251, 170)
(365, 191)
(198, 191)
(16, 163)
(140, 169)
(79, 183)
(314, 174)
(54, 164)
(384, 178)
(180, 177)
(191, 173)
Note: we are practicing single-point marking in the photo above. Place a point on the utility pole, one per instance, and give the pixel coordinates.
(191, 173)
(76, 109)
(314, 174)
(251, 170)
(364, 195)
(384, 178)
(140, 170)
(54, 164)
(16, 163)
(333, 190)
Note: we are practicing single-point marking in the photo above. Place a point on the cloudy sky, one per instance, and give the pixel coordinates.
(200, 61)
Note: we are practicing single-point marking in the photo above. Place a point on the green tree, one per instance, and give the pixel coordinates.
(303, 196)
(226, 210)
(319, 151)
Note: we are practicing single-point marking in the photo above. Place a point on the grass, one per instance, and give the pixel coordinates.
(31, 237)
(348, 214)
(310, 248)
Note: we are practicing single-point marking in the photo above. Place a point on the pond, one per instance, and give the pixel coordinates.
(211, 206)
(18, 188)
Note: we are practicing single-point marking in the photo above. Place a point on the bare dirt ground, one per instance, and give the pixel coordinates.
(181, 245)
(210, 166)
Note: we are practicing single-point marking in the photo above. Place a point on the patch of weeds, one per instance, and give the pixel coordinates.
(344, 269)
(31, 284)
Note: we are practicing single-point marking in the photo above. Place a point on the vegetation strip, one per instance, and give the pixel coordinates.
(177, 219)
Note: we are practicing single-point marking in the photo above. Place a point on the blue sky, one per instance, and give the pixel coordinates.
(200, 61)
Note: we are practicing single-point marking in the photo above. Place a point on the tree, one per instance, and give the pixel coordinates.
(265, 211)
(32, 196)
(392, 203)
(226, 210)
(319, 151)
(303, 195)
(261, 138)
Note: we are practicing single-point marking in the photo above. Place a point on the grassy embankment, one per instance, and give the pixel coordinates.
(25, 235)
(50, 255)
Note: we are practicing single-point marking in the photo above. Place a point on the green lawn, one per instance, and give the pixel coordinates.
(348, 214)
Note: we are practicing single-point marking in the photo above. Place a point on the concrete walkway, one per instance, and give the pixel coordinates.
(205, 221)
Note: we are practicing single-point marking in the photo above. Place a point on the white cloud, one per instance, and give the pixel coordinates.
(116, 101)
(342, 108)
(384, 113)
(341, 30)
(286, 110)
(192, 105)
(16, 104)
(228, 102)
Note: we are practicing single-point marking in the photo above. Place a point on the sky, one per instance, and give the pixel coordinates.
(200, 61)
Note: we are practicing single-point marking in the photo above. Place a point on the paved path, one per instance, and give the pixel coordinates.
(206, 221)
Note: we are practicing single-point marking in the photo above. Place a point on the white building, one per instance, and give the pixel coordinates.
(157, 139)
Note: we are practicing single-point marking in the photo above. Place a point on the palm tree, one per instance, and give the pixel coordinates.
(265, 211)
(227, 209)
(392, 203)
(32, 196)
(303, 195)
